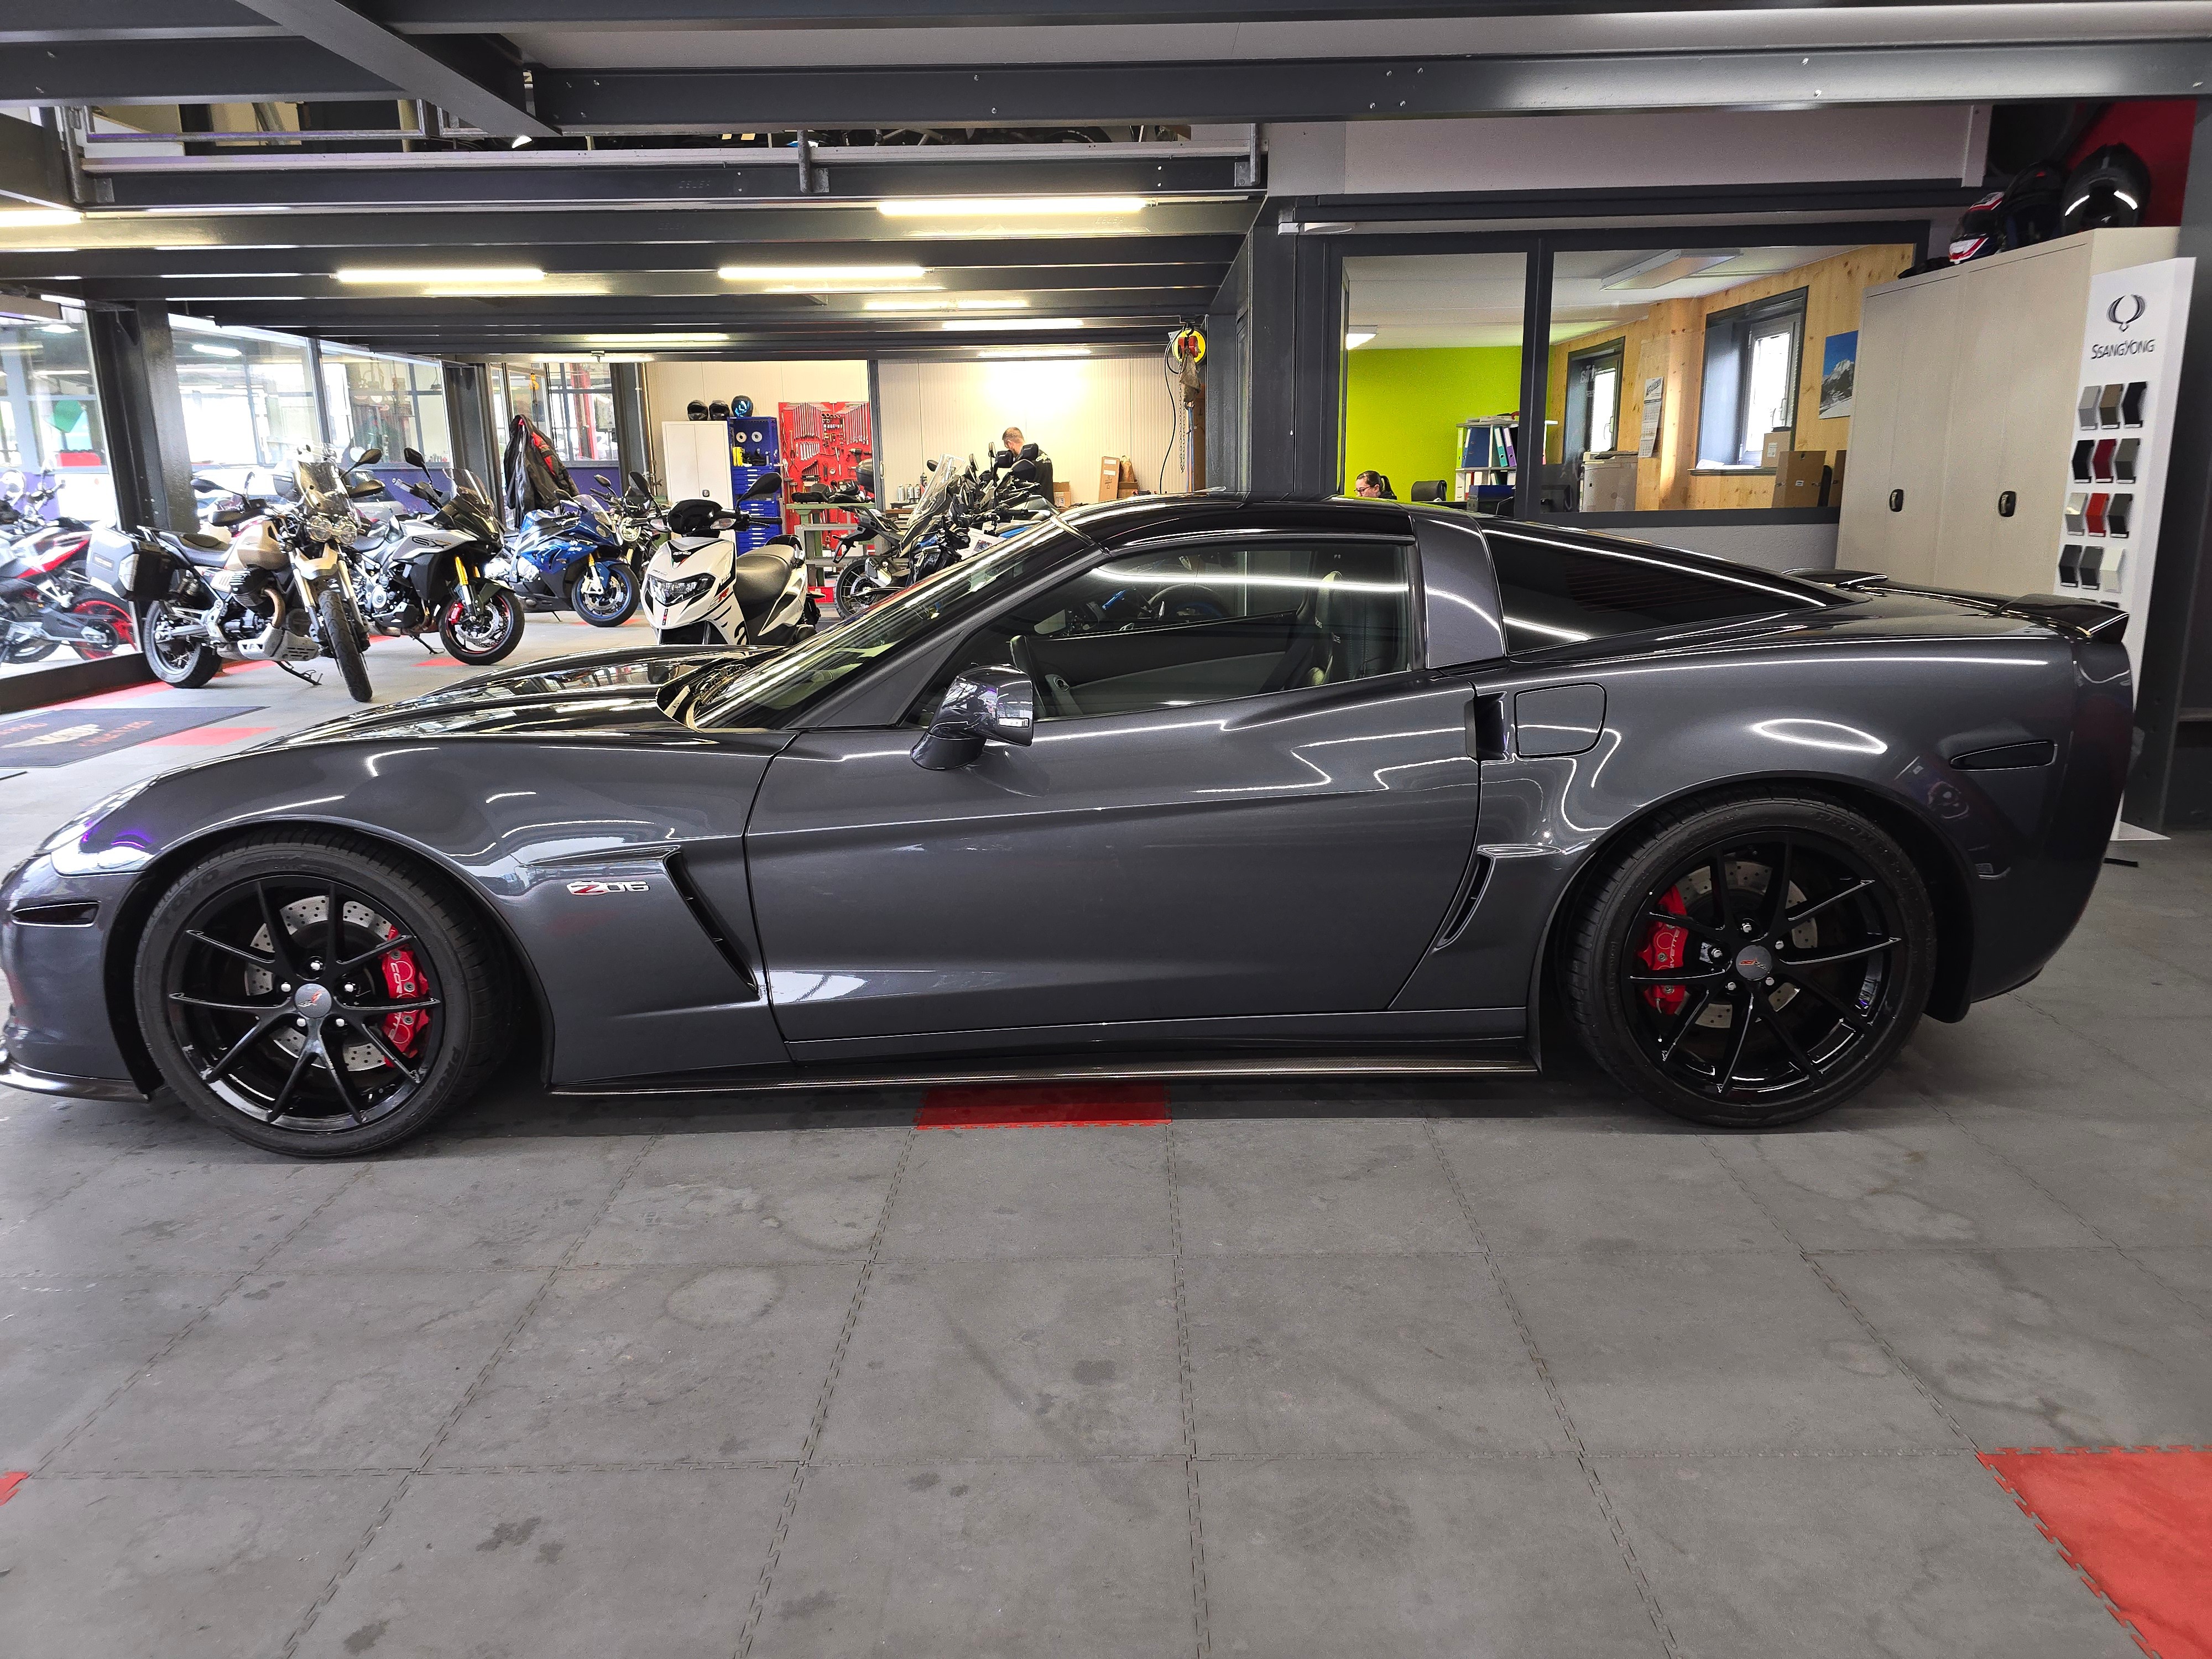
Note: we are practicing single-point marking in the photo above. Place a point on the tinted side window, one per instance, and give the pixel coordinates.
(1555, 594)
(1201, 623)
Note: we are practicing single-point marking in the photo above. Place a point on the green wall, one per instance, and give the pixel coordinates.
(1402, 409)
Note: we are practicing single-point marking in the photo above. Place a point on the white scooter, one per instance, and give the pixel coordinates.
(699, 590)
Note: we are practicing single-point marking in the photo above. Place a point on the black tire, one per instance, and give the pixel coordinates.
(186, 667)
(339, 639)
(617, 604)
(202, 940)
(32, 650)
(488, 638)
(1739, 1015)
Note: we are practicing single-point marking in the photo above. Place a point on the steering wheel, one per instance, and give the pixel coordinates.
(1186, 602)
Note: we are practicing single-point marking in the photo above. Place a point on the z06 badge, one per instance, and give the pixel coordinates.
(594, 889)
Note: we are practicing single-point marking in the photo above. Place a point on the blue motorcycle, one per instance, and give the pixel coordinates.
(581, 555)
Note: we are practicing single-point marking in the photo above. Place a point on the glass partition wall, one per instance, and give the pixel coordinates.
(1432, 375)
(1703, 378)
(51, 422)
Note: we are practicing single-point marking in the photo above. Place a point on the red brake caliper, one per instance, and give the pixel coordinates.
(404, 982)
(1663, 951)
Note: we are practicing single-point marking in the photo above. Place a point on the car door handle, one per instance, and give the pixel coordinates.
(1486, 736)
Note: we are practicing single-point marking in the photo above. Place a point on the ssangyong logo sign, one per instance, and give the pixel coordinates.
(2123, 313)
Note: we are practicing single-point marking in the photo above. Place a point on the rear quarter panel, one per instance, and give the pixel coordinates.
(1873, 709)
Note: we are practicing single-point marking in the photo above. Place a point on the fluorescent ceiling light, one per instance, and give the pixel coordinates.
(989, 207)
(867, 287)
(217, 350)
(1007, 353)
(945, 305)
(649, 341)
(12, 218)
(583, 356)
(1356, 338)
(500, 290)
(1669, 265)
(821, 273)
(57, 328)
(991, 325)
(448, 275)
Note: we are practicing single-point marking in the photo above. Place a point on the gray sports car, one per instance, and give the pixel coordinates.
(1167, 787)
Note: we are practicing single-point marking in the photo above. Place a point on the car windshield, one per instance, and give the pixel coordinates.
(729, 696)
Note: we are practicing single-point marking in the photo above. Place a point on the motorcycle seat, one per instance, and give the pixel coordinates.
(758, 578)
(206, 540)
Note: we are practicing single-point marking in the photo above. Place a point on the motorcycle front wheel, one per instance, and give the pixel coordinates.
(482, 633)
(340, 639)
(610, 603)
(184, 663)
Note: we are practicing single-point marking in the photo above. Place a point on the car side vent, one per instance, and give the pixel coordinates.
(1478, 878)
(2008, 755)
(73, 913)
(710, 924)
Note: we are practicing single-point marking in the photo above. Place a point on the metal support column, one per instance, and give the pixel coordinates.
(2170, 785)
(469, 422)
(632, 447)
(1296, 363)
(135, 359)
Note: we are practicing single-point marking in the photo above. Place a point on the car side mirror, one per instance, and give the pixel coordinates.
(996, 705)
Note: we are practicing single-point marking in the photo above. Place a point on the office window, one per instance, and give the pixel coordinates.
(1752, 357)
(1593, 399)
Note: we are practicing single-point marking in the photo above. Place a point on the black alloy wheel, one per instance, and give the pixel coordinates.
(314, 996)
(1754, 963)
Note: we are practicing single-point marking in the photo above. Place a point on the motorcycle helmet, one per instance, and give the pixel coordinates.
(718, 411)
(741, 407)
(1031, 451)
(2108, 190)
(695, 410)
(1981, 230)
(2032, 203)
(1002, 459)
(865, 476)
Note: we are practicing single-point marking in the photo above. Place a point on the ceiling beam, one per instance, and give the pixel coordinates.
(464, 75)
(672, 101)
(34, 166)
(524, 16)
(970, 264)
(188, 71)
(27, 20)
(393, 180)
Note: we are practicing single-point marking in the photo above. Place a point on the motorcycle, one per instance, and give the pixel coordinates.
(699, 590)
(576, 556)
(434, 566)
(961, 512)
(278, 591)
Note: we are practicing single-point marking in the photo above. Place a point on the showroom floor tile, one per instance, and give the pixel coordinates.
(1496, 1368)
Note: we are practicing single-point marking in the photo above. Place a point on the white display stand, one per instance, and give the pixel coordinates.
(2130, 377)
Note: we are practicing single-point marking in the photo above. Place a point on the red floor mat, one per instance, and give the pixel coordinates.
(1023, 1105)
(10, 1481)
(2136, 1523)
(207, 735)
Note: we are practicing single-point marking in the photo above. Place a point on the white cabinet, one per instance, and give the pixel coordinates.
(1964, 416)
(695, 460)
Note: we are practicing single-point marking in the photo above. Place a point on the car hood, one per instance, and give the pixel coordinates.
(610, 692)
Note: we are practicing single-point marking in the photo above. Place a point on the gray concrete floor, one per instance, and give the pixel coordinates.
(1512, 1370)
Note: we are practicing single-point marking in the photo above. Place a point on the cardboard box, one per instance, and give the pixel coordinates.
(1063, 495)
(1836, 480)
(1129, 485)
(1801, 477)
(1776, 446)
(1608, 483)
(1109, 478)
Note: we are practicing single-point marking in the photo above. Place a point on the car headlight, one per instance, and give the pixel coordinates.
(65, 847)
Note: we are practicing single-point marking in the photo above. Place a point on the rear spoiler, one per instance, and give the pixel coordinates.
(2084, 619)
